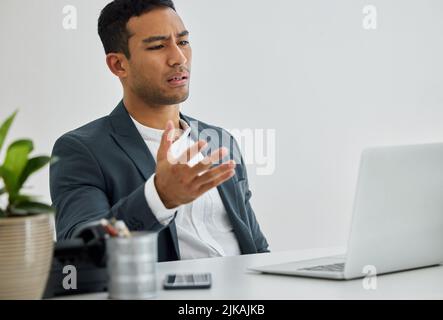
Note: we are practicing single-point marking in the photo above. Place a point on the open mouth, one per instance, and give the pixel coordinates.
(178, 80)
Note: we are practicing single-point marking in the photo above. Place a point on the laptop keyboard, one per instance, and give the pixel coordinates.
(336, 267)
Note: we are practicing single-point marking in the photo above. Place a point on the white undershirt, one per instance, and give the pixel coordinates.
(203, 226)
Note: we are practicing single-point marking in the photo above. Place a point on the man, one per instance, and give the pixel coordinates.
(143, 163)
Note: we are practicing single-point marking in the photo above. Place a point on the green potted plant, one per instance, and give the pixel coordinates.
(26, 232)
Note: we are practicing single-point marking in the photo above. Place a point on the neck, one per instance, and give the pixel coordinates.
(151, 115)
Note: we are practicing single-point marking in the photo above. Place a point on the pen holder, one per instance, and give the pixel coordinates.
(132, 266)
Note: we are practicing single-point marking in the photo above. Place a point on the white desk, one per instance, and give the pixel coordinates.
(232, 280)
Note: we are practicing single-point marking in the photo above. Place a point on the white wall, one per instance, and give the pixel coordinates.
(304, 68)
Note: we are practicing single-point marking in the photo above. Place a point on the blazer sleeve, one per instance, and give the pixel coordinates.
(78, 192)
(258, 236)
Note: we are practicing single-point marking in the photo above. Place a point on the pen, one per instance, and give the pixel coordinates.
(111, 230)
(122, 229)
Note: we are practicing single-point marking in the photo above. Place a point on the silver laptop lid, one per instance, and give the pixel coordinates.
(398, 210)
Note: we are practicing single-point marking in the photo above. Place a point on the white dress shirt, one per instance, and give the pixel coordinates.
(203, 226)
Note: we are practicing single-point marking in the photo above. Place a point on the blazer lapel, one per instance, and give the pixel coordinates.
(129, 139)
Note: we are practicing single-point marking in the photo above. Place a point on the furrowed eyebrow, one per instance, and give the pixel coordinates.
(159, 38)
(183, 33)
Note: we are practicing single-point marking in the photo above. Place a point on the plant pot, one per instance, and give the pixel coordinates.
(26, 249)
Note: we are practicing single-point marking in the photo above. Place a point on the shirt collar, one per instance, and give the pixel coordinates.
(152, 134)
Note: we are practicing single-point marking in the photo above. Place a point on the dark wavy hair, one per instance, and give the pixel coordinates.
(114, 18)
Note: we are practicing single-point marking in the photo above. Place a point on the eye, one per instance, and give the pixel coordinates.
(156, 47)
(184, 42)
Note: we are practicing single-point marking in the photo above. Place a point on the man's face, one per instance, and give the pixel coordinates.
(160, 57)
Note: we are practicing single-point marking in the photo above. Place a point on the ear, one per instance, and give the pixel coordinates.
(118, 64)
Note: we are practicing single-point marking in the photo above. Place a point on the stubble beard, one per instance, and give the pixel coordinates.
(151, 95)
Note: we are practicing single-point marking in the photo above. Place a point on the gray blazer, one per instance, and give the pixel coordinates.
(101, 172)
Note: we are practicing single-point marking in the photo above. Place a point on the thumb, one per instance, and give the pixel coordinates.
(166, 141)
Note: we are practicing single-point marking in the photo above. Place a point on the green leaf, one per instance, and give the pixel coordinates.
(8, 178)
(20, 198)
(4, 128)
(29, 208)
(32, 166)
(15, 162)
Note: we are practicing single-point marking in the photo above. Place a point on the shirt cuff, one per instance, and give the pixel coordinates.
(163, 214)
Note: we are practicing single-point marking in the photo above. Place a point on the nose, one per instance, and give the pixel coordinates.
(176, 56)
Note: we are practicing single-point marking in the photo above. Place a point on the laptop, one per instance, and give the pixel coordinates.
(397, 221)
